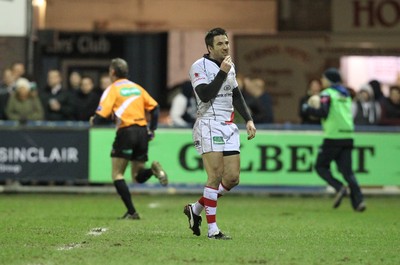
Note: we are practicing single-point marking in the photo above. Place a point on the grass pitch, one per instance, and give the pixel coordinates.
(83, 229)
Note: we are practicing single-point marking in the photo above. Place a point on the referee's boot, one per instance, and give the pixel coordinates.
(160, 173)
(128, 216)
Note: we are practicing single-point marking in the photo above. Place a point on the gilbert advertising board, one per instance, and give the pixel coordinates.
(272, 158)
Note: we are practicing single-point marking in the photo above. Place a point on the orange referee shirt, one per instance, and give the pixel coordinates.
(128, 102)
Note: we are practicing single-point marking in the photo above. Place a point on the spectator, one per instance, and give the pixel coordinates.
(22, 105)
(366, 110)
(391, 107)
(7, 86)
(18, 70)
(238, 119)
(85, 100)
(8, 81)
(352, 92)
(74, 81)
(397, 83)
(314, 88)
(258, 100)
(377, 89)
(55, 99)
(183, 106)
(104, 82)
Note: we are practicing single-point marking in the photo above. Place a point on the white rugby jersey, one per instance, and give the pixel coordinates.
(220, 108)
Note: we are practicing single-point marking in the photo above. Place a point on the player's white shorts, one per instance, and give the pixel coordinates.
(215, 136)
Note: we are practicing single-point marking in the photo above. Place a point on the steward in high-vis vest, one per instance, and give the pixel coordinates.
(338, 126)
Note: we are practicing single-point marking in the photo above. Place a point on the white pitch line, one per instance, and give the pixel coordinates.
(97, 231)
(93, 232)
(69, 246)
(154, 205)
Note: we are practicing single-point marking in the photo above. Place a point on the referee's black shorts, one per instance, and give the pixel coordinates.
(131, 143)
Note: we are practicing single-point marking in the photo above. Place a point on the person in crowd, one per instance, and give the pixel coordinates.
(129, 103)
(18, 70)
(7, 87)
(85, 100)
(391, 107)
(104, 82)
(238, 119)
(338, 126)
(215, 136)
(366, 111)
(183, 106)
(74, 81)
(314, 88)
(352, 92)
(397, 82)
(377, 89)
(258, 100)
(55, 99)
(23, 105)
(8, 81)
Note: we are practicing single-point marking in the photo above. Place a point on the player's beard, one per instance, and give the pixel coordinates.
(221, 56)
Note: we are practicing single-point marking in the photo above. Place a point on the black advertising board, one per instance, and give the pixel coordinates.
(44, 154)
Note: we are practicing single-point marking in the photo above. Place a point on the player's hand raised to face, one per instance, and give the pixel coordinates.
(226, 64)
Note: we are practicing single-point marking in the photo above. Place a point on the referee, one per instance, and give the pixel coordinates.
(128, 103)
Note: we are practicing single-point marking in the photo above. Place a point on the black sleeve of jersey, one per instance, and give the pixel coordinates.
(323, 111)
(154, 118)
(99, 120)
(240, 104)
(210, 91)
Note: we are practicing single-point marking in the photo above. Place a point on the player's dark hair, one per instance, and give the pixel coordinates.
(120, 67)
(209, 39)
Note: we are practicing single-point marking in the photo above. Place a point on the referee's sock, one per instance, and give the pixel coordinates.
(123, 191)
(144, 175)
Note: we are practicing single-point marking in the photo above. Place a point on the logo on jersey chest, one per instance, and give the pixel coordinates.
(227, 87)
(129, 91)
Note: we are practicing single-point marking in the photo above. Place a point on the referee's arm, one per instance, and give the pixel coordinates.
(96, 119)
(154, 114)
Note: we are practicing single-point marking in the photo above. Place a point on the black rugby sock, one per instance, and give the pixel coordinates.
(144, 175)
(123, 191)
